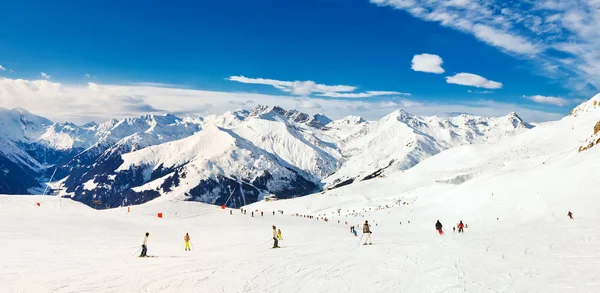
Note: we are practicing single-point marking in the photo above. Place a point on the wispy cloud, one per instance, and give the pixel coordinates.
(470, 79)
(99, 102)
(2, 68)
(367, 94)
(309, 87)
(533, 30)
(427, 63)
(300, 88)
(90, 76)
(45, 75)
(480, 92)
(555, 101)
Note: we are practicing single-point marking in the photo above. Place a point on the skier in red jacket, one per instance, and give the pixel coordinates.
(460, 227)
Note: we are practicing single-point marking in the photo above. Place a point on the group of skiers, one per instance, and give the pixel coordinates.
(278, 236)
(439, 227)
(186, 242)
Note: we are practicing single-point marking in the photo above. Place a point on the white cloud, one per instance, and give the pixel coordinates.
(45, 75)
(2, 68)
(90, 76)
(367, 94)
(309, 87)
(469, 79)
(427, 63)
(556, 101)
(300, 88)
(527, 29)
(480, 92)
(100, 102)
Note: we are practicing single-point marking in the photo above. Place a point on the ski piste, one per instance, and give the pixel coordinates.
(528, 245)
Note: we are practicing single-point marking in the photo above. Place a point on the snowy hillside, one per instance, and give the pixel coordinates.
(313, 151)
(513, 193)
(268, 150)
(523, 178)
(400, 140)
(19, 172)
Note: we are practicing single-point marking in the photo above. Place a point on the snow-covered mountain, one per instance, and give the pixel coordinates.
(19, 172)
(268, 150)
(400, 140)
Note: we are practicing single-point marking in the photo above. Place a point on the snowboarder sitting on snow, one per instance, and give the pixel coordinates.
(367, 230)
(144, 245)
(438, 227)
(460, 227)
(186, 240)
(275, 242)
(570, 215)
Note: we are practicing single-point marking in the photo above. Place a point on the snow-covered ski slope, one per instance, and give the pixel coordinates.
(68, 247)
(514, 195)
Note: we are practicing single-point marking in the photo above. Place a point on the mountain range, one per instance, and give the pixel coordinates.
(232, 159)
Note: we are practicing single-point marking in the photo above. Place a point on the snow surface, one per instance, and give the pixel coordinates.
(513, 194)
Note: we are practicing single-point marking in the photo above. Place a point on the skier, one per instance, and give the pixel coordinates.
(355, 233)
(460, 227)
(570, 215)
(279, 234)
(144, 245)
(231, 212)
(273, 213)
(454, 229)
(438, 227)
(261, 214)
(352, 229)
(275, 242)
(253, 214)
(367, 230)
(186, 240)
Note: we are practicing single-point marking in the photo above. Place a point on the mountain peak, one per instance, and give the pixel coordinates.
(399, 115)
(351, 120)
(588, 106)
(270, 112)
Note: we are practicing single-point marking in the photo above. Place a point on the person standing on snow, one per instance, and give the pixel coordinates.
(275, 241)
(279, 236)
(367, 230)
(261, 214)
(460, 227)
(144, 245)
(438, 227)
(570, 215)
(186, 240)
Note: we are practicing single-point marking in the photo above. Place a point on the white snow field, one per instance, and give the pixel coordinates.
(514, 195)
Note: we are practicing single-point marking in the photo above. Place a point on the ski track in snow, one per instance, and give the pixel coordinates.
(68, 247)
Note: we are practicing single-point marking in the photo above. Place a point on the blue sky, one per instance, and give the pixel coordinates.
(541, 63)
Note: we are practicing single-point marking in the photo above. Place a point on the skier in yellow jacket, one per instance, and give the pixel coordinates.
(186, 240)
(275, 241)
